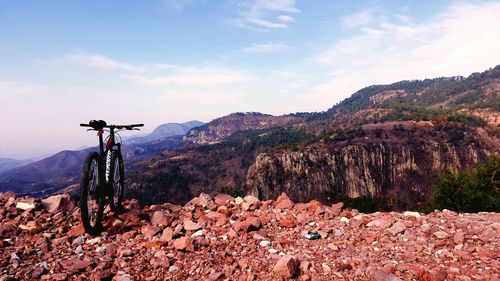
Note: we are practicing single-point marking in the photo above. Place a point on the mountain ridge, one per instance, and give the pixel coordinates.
(438, 111)
(457, 115)
(165, 130)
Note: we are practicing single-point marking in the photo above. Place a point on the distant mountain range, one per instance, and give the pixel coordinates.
(63, 168)
(165, 130)
(8, 164)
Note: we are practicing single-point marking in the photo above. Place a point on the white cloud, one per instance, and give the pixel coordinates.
(358, 19)
(266, 48)
(461, 40)
(275, 5)
(285, 18)
(193, 76)
(267, 24)
(261, 15)
(100, 61)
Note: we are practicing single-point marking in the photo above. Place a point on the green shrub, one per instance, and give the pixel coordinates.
(470, 120)
(474, 191)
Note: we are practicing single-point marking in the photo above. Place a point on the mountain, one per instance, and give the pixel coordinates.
(223, 127)
(63, 169)
(165, 130)
(384, 143)
(7, 164)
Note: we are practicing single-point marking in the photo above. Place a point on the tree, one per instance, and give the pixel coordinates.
(474, 191)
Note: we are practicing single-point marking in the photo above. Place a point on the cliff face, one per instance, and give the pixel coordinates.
(400, 171)
(221, 128)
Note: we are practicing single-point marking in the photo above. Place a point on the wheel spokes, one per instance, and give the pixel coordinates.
(92, 196)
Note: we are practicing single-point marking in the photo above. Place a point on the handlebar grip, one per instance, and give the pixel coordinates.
(137, 125)
(85, 125)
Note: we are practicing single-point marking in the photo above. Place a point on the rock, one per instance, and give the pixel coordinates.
(253, 222)
(250, 203)
(58, 203)
(94, 241)
(441, 234)
(215, 276)
(283, 202)
(173, 268)
(123, 277)
(290, 223)
(264, 243)
(205, 200)
(149, 231)
(78, 241)
(384, 222)
(125, 252)
(7, 195)
(79, 250)
(28, 203)
(198, 233)
(459, 237)
(250, 223)
(101, 249)
(189, 225)
(326, 268)
(238, 200)
(73, 266)
(344, 219)
(43, 244)
(8, 230)
(30, 227)
(286, 266)
(272, 251)
(59, 276)
(377, 275)
(39, 270)
(337, 208)
(160, 218)
(15, 260)
(396, 228)
(182, 243)
(222, 199)
(411, 214)
(167, 234)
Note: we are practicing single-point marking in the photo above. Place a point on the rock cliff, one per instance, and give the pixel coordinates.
(400, 169)
(223, 127)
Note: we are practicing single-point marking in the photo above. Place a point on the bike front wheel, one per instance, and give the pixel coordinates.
(117, 181)
(91, 199)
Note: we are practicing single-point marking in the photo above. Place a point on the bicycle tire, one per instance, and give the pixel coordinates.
(117, 181)
(91, 201)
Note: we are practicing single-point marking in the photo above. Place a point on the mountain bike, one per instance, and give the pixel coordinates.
(102, 177)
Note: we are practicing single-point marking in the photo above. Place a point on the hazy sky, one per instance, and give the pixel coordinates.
(66, 62)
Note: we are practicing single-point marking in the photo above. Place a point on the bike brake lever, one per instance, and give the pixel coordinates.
(89, 130)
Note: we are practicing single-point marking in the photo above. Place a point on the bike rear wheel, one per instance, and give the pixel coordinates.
(91, 199)
(117, 181)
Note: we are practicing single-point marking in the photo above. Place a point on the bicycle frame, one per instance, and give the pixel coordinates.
(105, 151)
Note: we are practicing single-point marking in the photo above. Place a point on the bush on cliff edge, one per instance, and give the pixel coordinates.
(474, 191)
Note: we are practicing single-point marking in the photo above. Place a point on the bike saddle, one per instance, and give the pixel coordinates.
(97, 124)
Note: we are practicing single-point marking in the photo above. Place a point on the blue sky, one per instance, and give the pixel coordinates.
(66, 62)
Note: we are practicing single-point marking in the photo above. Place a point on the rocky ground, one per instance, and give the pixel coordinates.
(226, 238)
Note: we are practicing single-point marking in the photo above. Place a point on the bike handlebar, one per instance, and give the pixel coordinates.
(100, 124)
